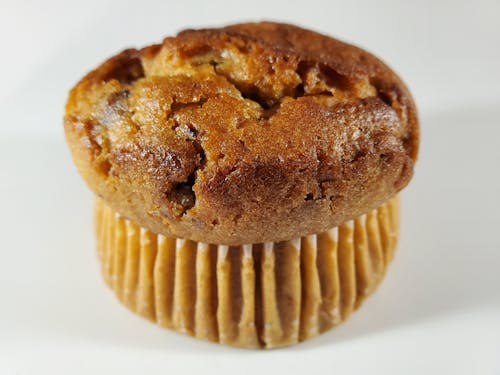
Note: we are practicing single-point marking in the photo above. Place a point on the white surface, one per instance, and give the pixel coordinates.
(438, 310)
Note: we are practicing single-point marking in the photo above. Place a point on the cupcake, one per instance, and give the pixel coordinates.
(246, 178)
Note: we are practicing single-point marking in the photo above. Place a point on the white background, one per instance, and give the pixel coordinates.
(438, 310)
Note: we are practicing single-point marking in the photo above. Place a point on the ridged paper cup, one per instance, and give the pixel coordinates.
(257, 295)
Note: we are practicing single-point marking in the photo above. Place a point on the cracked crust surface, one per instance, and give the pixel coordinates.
(243, 134)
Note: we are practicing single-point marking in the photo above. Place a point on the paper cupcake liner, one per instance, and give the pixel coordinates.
(257, 295)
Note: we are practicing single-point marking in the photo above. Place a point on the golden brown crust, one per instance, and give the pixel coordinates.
(244, 134)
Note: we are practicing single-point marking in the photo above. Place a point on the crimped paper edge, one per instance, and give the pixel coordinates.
(256, 295)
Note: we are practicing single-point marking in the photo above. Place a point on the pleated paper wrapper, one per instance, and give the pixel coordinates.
(257, 295)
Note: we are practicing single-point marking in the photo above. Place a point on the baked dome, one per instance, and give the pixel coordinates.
(243, 134)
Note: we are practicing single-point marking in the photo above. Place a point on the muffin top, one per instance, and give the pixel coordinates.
(244, 134)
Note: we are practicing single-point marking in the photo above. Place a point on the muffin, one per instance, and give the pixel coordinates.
(246, 178)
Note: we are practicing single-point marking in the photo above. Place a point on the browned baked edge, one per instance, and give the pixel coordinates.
(244, 134)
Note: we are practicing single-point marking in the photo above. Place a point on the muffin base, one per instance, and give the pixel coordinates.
(255, 296)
